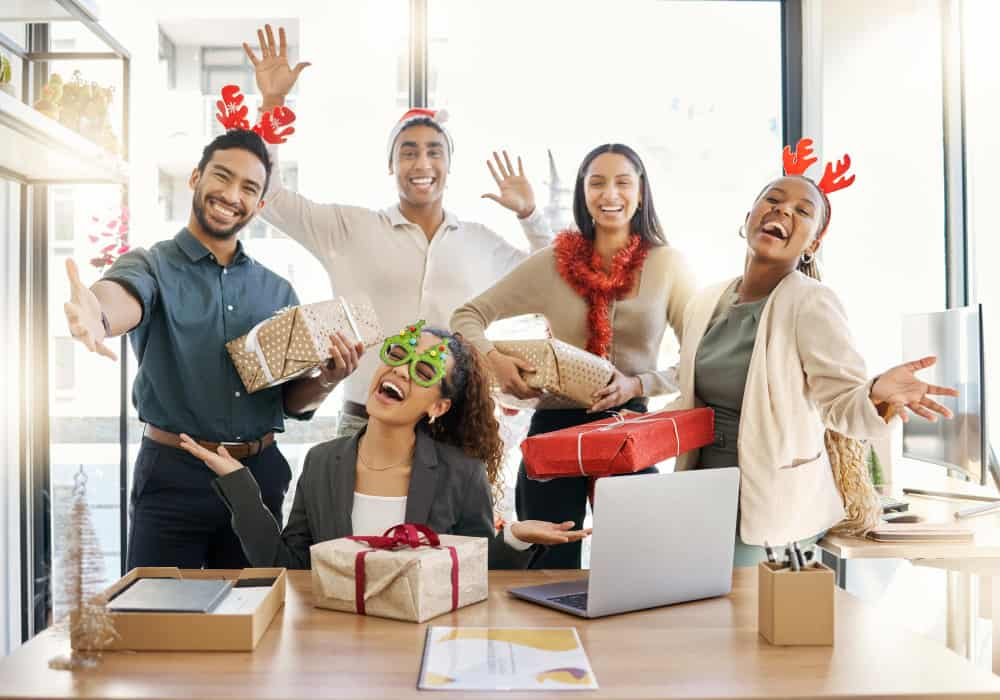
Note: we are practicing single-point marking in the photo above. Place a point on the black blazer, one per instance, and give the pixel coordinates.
(449, 492)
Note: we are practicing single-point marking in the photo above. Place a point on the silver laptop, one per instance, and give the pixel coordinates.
(658, 539)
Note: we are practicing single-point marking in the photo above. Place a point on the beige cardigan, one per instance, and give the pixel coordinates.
(535, 286)
(805, 375)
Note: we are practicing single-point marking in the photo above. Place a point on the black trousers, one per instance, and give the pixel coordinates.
(564, 498)
(177, 519)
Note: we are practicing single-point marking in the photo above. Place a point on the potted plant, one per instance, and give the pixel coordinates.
(6, 75)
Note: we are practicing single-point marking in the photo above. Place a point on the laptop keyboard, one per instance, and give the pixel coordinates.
(574, 600)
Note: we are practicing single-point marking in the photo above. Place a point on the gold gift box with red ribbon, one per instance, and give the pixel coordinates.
(617, 445)
(410, 573)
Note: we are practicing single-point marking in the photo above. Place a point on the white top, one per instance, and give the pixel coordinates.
(373, 515)
(383, 257)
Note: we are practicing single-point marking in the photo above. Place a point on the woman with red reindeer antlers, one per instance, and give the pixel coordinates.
(772, 354)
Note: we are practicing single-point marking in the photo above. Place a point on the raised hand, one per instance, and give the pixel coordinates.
(900, 388)
(83, 314)
(275, 77)
(515, 189)
(220, 462)
(542, 532)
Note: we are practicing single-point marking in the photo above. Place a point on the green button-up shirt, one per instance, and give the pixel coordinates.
(191, 306)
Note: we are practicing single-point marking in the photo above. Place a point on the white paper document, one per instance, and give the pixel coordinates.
(505, 658)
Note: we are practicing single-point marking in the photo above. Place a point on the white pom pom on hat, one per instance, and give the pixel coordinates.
(438, 116)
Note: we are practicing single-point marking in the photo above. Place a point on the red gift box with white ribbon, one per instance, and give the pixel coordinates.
(621, 444)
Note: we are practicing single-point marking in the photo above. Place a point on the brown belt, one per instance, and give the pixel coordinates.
(353, 408)
(239, 450)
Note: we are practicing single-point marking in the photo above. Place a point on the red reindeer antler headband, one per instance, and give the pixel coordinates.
(273, 126)
(834, 176)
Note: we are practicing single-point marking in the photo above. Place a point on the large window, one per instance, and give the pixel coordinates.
(564, 76)
(84, 388)
(884, 253)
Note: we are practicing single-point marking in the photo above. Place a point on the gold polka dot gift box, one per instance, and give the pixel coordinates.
(296, 340)
(568, 375)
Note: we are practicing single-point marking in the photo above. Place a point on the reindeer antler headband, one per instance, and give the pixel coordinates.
(834, 176)
(273, 126)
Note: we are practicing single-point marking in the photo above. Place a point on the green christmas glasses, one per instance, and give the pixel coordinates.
(426, 368)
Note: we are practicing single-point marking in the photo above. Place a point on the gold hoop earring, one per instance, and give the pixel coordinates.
(742, 233)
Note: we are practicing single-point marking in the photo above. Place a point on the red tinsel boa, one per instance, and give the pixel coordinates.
(583, 270)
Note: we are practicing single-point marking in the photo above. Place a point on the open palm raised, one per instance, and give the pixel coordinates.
(275, 77)
(901, 389)
(515, 189)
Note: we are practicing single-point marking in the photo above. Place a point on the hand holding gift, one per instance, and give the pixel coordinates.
(621, 390)
(507, 369)
(552, 374)
(344, 359)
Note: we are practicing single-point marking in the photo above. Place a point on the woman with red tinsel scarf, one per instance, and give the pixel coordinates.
(610, 287)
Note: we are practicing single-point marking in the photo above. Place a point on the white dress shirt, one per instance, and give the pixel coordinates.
(382, 257)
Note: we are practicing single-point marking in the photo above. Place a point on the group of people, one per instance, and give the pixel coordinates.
(417, 438)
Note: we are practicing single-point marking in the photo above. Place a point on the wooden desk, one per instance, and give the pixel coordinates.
(968, 565)
(706, 649)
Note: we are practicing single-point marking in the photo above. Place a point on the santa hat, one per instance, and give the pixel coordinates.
(438, 116)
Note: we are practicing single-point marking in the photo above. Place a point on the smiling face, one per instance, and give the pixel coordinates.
(395, 398)
(227, 194)
(420, 163)
(784, 221)
(611, 189)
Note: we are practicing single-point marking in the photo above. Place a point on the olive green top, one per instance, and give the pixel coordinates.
(720, 372)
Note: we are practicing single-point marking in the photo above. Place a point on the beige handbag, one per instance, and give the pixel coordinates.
(568, 375)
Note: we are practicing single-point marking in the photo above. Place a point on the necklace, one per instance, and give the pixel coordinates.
(369, 467)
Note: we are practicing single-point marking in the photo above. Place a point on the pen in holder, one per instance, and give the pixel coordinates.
(795, 607)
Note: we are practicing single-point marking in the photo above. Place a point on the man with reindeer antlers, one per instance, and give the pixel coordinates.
(180, 302)
(412, 259)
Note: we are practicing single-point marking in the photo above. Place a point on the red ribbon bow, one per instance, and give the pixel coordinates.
(404, 535)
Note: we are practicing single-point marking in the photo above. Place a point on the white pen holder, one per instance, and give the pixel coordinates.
(795, 607)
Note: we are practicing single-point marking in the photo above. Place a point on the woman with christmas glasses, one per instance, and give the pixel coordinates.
(772, 354)
(430, 454)
(611, 287)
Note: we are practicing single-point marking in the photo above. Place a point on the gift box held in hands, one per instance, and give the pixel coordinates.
(619, 445)
(296, 340)
(566, 374)
(410, 573)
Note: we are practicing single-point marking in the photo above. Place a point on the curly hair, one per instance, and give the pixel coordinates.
(470, 424)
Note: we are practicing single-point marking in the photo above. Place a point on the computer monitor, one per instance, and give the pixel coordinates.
(955, 337)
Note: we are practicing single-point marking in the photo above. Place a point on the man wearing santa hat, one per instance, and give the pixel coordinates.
(412, 259)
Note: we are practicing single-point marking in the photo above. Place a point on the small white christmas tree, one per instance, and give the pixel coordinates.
(80, 608)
